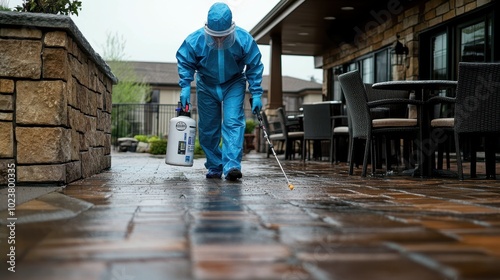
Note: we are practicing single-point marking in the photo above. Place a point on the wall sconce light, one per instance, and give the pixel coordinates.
(399, 53)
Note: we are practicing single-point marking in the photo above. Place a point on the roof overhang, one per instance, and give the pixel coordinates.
(310, 27)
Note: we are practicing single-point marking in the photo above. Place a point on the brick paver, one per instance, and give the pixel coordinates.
(143, 219)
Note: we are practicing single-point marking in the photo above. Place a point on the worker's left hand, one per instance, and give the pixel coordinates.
(256, 105)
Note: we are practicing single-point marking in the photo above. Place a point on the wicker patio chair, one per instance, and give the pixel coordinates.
(477, 111)
(275, 134)
(317, 126)
(399, 110)
(368, 129)
(290, 136)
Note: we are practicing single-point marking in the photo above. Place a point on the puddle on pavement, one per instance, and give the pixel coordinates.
(177, 176)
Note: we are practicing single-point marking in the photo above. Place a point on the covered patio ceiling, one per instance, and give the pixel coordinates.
(309, 27)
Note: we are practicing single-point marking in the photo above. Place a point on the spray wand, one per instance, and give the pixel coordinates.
(290, 186)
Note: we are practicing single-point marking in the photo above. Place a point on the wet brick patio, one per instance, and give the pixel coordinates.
(143, 219)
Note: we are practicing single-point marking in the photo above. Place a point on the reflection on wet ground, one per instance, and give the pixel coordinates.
(143, 219)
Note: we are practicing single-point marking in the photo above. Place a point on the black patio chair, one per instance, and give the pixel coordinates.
(275, 134)
(365, 127)
(290, 136)
(477, 112)
(399, 110)
(317, 127)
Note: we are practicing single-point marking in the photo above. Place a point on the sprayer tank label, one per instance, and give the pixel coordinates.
(181, 148)
(181, 126)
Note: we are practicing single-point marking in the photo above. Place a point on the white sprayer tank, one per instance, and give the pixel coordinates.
(181, 138)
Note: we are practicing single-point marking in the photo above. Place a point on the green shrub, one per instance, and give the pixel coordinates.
(3, 7)
(64, 7)
(153, 138)
(250, 126)
(141, 138)
(158, 147)
(197, 148)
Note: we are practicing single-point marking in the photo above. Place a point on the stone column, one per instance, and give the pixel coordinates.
(55, 101)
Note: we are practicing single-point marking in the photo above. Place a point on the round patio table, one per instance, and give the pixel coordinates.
(423, 90)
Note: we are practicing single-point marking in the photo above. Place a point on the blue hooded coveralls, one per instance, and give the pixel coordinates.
(221, 76)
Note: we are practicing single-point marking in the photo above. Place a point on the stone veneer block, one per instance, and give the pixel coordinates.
(6, 103)
(84, 146)
(75, 145)
(56, 39)
(107, 161)
(108, 126)
(101, 118)
(43, 145)
(6, 140)
(107, 102)
(93, 161)
(41, 173)
(54, 61)
(41, 103)
(6, 86)
(6, 116)
(21, 58)
(25, 33)
(107, 145)
(73, 171)
(4, 166)
(71, 86)
(80, 70)
(92, 101)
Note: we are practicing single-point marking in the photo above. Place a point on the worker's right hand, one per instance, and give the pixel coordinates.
(185, 96)
(256, 105)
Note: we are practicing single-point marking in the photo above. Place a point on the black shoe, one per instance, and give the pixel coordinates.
(233, 175)
(214, 174)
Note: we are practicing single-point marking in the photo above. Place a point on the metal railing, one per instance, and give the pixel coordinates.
(129, 120)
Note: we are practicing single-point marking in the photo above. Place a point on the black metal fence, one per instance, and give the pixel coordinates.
(129, 120)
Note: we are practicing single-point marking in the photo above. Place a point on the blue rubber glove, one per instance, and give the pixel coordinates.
(256, 105)
(185, 96)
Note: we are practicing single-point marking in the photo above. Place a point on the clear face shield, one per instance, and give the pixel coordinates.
(220, 40)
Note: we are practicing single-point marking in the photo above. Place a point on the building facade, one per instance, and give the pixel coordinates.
(432, 36)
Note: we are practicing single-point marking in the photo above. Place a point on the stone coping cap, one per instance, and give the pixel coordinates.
(62, 22)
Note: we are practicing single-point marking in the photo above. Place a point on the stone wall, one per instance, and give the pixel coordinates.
(55, 101)
(406, 21)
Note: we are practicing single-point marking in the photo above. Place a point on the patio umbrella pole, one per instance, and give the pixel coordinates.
(272, 149)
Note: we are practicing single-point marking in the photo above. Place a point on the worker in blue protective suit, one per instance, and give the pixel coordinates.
(224, 57)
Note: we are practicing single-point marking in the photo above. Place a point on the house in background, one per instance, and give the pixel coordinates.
(163, 79)
(153, 116)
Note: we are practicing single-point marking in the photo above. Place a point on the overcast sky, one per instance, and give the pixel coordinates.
(153, 30)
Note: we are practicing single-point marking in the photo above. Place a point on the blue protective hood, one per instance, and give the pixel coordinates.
(220, 18)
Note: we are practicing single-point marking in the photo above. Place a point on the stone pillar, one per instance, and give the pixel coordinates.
(275, 94)
(55, 101)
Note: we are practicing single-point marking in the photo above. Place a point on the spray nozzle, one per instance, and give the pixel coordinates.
(182, 112)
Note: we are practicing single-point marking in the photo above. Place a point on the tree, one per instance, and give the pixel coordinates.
(128, 89)
(64, 7)
(4, 5)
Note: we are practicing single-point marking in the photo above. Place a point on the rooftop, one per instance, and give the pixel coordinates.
(165, 74)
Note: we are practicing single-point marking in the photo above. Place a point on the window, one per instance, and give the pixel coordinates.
(154, 96)
(367, 72)
(439, 57)
(382, 66)
(374, 67)
(467, 38)
(473, 38)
